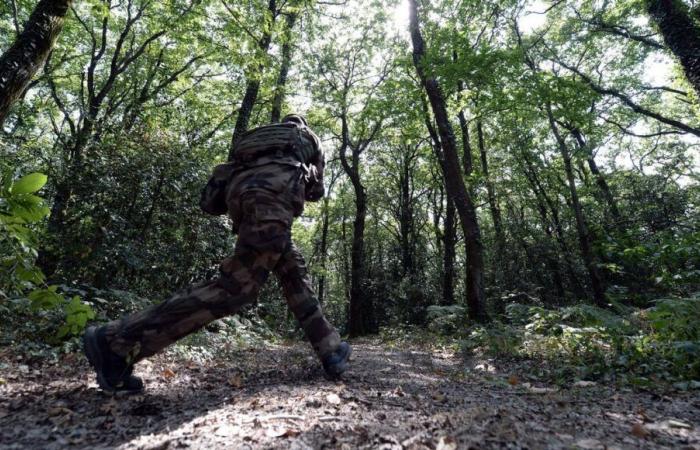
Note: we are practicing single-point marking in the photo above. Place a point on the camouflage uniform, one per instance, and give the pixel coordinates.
(262, 197)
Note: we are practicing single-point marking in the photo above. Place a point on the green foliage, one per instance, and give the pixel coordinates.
(676, 319)
(447, 319)
(21, 279)
(19, 210)
(77, 315)
(643, 347)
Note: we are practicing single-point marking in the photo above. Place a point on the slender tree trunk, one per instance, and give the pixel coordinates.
(356, 323)
(346, 265)
(681, 34)
(500, 260)
(406, 219)
(467, 162)
(359, 304)
(449, 241)
(467, 166)
(20, 63)
(545, 202)
(453, 177)
(438, 198)
(581, 227)
(253, 82)
(551, 258)
(449, 235)
(599, 177)
(323, 249)
(280, 87)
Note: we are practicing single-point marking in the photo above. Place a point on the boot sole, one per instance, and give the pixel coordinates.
(339, 369)
(94, 357)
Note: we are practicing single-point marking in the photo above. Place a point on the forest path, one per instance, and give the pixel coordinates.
(276, 397)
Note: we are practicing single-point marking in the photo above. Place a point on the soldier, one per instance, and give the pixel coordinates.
(263, 191)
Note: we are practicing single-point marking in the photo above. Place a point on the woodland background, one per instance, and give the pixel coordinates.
(540, 202)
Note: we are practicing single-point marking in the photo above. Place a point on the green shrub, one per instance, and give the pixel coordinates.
(445, 319)
(640, 347)
(21, 281)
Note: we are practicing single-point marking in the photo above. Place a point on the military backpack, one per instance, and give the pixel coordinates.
(260, 145)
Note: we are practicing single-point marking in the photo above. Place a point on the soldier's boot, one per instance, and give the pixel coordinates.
(337, 362)
(114, 373)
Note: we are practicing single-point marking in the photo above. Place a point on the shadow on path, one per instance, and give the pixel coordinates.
(277, 398)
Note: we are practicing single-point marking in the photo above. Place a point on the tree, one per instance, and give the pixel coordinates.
(99, 98)
(24, 58)
(281, 85)
(255, 69)
(454, 182)
(681, 34)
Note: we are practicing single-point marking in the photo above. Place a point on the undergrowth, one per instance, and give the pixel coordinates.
(639, 347)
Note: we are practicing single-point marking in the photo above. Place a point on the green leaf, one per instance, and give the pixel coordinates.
(45, 298)
(29, 183)
(33, 275)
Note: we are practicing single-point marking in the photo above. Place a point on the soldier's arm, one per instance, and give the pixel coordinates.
(314, 186)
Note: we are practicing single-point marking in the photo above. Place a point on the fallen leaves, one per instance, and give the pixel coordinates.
(226, 430)
(639, 431)
(333, 399)
(277, 432)
(590, 444)
(284, 405)
(541, 390)
(446, 443)
(439, 397)
(58, 410)
(236, 381)
(109, 408)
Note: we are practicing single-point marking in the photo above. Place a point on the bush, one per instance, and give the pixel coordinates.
(23, 286)
(445, 319)
(642, 347)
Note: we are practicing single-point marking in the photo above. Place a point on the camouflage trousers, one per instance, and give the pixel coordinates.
(263, 245)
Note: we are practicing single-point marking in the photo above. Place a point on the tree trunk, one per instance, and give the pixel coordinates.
(323, 250)
(500, 260)
(356, 322)
(281, 85)
(406, 218)
(358, 314)
(253, 83)
(681, 34)
(545, 201)
(599, 177)
(20, 63)
(551, 257)
(581, 227)
(449, 240)
(449, 236)
(466, 145)
(453, 177)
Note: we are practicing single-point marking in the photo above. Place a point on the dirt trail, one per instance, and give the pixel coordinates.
(276, 397)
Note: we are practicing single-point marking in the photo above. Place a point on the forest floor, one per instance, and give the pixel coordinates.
(276, 397)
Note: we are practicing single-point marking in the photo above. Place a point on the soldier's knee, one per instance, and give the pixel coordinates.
(307, 311)
(232, 297)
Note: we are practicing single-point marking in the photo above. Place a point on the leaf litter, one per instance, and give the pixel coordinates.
(277, 397)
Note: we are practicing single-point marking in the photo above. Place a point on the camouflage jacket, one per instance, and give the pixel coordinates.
(291, 181)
